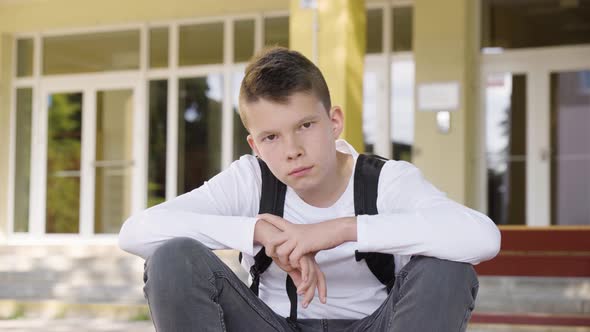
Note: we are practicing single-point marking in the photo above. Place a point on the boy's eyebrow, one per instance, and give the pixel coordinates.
(262, 134)
(299, 123)
(307, 119)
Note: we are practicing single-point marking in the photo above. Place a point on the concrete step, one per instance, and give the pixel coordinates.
(524, 328)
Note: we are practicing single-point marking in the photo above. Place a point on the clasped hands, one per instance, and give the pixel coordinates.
(294, 247)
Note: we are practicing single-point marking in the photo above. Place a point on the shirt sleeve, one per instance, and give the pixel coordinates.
(415, 218)
(220, 214)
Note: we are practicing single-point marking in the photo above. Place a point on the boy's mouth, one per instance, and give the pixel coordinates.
(300, 171)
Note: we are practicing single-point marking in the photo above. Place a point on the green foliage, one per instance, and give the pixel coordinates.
(19, 312)
(142, 315)
(63, 160)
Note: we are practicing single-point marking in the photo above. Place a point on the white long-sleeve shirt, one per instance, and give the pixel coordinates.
(414, 219)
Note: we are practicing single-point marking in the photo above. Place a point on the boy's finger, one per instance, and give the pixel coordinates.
(296, 277)
(284, 250)
(304, 269)
(309, 294)
(295, 257)
(322, 287)
(272, 245)
(311, 279)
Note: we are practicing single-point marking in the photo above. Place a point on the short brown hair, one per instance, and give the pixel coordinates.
(276, 73)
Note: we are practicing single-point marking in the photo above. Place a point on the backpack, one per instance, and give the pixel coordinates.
(366, 180)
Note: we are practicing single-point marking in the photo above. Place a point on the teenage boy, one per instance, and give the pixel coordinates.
(317, 240)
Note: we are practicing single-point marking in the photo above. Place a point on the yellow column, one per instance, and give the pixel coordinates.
(445, 49)
(337, 46)
(5, 76)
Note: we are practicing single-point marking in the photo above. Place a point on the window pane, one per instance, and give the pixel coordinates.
(243, 40)
(506, 148)
(374, 31)
(24, 110)
(63, 162)
(114, 159)
(402, 28)
(201, 44)
(370, 88)
(159, 47)
(402, 109)
(535, 23)
(570, 157)
(24, 54)
(199, 130)
(157, 142)
(95, 52)
(276, 31)
(241, 146)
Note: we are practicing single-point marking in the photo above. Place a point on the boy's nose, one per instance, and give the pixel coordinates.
(293, 150)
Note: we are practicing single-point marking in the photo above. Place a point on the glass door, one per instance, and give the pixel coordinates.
(536, 116)
(113, 159)
(570, 147)
(86, 178)
(64, 116)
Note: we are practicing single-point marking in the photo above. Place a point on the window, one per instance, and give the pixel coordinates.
(90, 53)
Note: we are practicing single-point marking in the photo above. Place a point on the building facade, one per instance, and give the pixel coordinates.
(110, 107)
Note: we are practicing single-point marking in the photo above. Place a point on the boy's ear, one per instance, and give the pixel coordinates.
(250, 140)
(337, 120)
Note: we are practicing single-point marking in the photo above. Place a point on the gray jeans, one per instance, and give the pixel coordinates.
(189, 288)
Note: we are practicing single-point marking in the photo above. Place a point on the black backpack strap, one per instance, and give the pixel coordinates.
(366, 185)
(272, 200)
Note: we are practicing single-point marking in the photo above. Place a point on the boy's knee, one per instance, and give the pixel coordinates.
(176, 257)
(442, 274)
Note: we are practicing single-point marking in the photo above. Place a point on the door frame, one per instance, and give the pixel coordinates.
(88, 85)
(537, 64)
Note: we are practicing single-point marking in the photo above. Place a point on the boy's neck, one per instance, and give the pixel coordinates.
(333, 186)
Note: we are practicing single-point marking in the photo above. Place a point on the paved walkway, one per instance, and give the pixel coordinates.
(74, 325)
(103, 325)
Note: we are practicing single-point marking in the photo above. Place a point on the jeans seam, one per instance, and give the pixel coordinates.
(469, 310)
(253, 305)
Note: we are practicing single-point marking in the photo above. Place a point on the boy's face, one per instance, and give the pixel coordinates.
(296, 139)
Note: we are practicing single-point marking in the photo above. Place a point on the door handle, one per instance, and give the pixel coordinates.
(113, 163)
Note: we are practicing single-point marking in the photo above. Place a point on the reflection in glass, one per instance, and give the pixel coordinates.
(374, 31)
(402, 28)
(24, 57)
(157, 142)
(199, 130)
(241, 146)
(402, 109)
(534, 23)
(570, 157)
(63, 162)
(276, 31)
(243, 40)
(370, 110)
(92, 52)
(159, 47)
(506, 148)
(114, 159)
(24, 110)
(201, 44)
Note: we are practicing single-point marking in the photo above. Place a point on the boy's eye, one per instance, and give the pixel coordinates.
(270, 137)
(306, 125)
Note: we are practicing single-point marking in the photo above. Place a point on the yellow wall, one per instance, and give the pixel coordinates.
(5, 62)
(340, 54)
(42, 15)
(445, 50)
